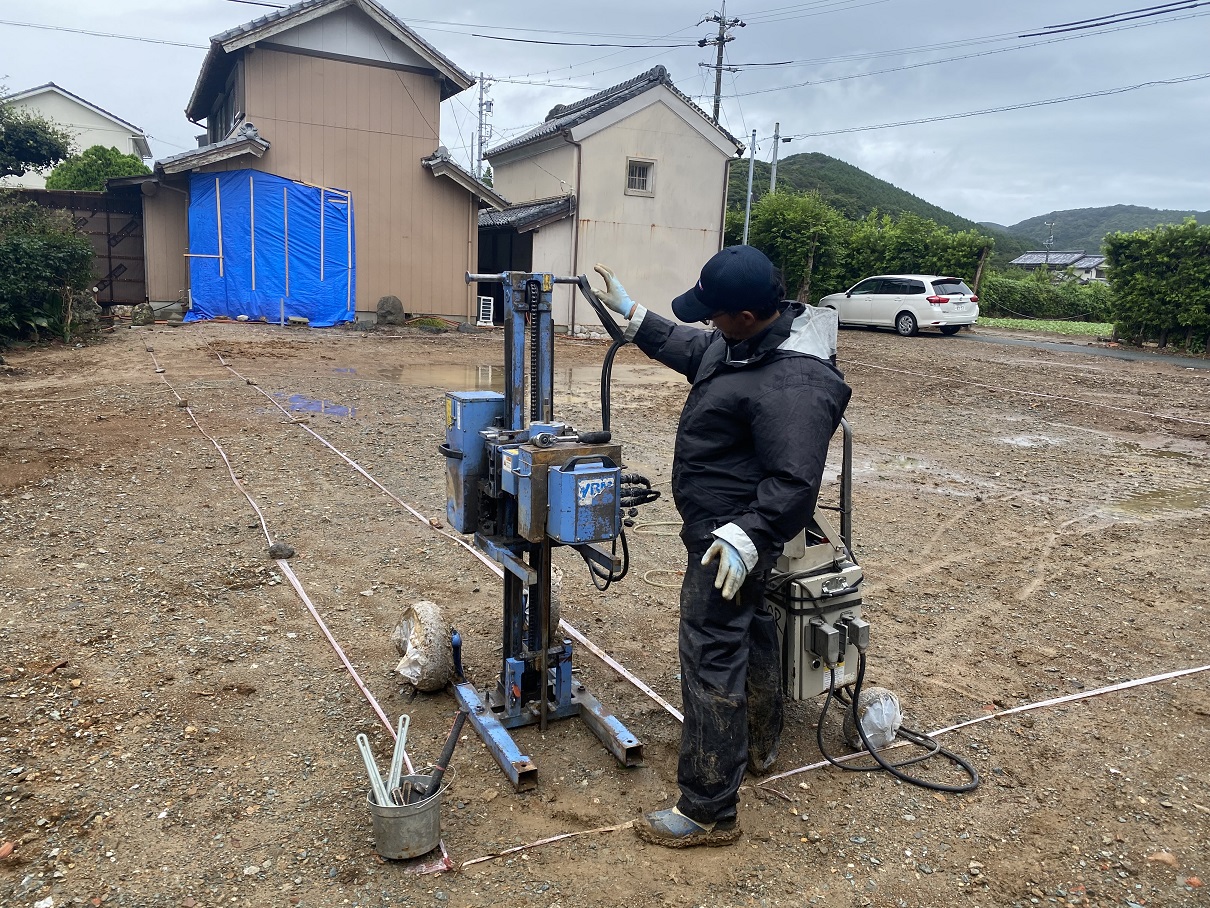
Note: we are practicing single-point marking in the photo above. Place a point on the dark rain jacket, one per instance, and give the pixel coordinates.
(754, 432)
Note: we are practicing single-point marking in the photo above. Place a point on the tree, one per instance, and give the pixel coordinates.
(29, 142)
(804, 236)
(488, 176)
(89, 170)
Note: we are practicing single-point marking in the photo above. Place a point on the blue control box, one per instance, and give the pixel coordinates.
(467, 413)
(584, 501)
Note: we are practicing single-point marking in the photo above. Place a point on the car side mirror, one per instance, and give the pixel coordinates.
(848, 294)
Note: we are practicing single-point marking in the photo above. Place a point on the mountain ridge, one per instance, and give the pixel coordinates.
(855, 193)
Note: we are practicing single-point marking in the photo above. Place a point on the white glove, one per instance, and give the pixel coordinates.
(731, 567)
(614, 295)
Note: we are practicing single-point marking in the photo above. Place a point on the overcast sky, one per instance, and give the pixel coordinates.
(869, 63)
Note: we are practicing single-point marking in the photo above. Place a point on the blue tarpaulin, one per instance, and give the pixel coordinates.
(258, 242)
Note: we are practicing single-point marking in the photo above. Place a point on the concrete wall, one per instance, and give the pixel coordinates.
(87, 127)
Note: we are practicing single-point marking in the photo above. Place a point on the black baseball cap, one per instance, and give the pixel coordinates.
(735, 279)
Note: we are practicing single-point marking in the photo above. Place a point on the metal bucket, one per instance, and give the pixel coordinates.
(408, 831)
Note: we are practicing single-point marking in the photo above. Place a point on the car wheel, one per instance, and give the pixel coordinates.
(950, 329)
(905, 324)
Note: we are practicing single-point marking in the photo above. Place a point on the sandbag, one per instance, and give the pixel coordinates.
(422, 637)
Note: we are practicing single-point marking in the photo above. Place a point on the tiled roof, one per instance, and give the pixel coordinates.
(1088, 262)
(566, 116)
(246, 140)
(528, 216)
(442, 165)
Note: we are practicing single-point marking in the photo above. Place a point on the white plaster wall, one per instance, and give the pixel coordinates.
(536, 175)
(656, 245)
(87, 128)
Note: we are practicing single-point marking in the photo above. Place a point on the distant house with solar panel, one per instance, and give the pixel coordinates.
(1084, 266)
(634, 176)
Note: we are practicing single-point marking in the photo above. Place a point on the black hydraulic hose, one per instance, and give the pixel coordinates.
(606, 377)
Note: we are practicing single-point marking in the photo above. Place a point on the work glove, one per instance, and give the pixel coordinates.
(614, 295)
(731, 567)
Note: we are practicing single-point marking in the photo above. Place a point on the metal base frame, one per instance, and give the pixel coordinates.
(492, 724)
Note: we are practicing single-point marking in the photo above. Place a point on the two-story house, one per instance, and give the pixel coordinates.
(634, 176)
(87, 124)
(320, 185)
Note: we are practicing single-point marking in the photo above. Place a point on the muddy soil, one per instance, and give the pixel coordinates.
(175, 730)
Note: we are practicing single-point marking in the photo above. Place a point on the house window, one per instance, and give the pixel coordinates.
(640, 177)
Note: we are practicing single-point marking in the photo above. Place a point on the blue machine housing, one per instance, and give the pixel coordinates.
(467, 413)
(583, 499)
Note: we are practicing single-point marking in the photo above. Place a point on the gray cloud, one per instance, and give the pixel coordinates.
(1146, 147)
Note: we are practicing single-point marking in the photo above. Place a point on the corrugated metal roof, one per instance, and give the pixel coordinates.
(1053, 258)
(529, 215)
(565, 116)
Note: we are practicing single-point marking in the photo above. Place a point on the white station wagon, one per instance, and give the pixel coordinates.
(907, 303)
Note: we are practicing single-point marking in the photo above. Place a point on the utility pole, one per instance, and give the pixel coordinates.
(720, 41)
(751, 166)
(777, 140)
(485, 109)
(1050, 241)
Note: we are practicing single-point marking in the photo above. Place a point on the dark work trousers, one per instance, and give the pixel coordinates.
(730, 688)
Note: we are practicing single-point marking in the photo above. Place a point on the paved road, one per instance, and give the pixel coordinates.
(1188, 362)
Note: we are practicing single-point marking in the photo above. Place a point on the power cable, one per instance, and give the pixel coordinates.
(1005, 108)
(1115, 18)
(84, 31)
(909, 66)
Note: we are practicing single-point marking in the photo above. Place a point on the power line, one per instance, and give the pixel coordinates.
(1008, 107)
(1054, 30)
(84, 31)
(986, 53)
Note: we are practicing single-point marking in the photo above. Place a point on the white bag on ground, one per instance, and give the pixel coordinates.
(880, 715)
(423, 639)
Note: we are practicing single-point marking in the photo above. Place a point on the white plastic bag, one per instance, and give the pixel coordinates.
(423, 639)
(880, 715)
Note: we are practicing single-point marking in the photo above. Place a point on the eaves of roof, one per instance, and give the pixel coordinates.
(568, 116)
(441, 165)
(245, 141)
(224, 44)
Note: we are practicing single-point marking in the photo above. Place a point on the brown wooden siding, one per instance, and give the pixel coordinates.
(365, 129)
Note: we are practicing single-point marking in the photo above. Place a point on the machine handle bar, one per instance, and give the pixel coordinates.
(581, 281)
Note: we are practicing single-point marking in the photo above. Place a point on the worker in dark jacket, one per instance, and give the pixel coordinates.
(749, 460)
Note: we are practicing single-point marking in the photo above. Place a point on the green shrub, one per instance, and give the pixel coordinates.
(1036, 296)
(43, 262)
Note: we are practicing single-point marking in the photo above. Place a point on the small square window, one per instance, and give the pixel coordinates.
(640, 177)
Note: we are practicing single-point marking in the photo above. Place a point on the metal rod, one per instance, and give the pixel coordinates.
(367, 757)
(285, 200)
(846, 486)
(401, 743)
(218, 211)
(252, 224)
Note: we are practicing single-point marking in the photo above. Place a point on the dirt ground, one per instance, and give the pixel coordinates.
(176, 731)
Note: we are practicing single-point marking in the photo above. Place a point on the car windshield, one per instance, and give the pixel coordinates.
(951, 286)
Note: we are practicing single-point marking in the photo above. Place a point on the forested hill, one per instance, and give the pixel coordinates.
(1086, 228)
(855, 194)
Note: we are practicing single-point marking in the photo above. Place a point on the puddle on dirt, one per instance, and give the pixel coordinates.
(1155, 452)
(1029, 441)
(1163, 502)
(300, 403)
(490, 377)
